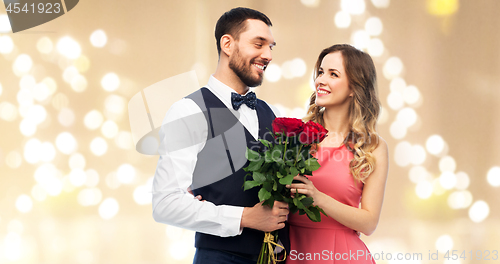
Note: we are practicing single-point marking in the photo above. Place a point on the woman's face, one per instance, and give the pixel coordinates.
(332, 86)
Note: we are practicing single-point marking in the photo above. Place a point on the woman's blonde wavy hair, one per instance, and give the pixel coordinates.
(363, 110)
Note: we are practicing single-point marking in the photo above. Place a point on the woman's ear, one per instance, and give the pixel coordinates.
(226, 44)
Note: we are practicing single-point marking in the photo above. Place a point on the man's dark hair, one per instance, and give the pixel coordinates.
(233, 23)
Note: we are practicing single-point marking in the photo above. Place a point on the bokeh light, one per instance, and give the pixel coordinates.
(493, 176)
(24, 203)
(98, 146)
(77, 161)
(66, 117)
(342, 19)
(448, 180)
(381, 3)
(423, 189)
(398, 130)
(411, 95)
(273, 73)
(459, 199)
(463, 180)
(32, 150)
(407, 116)
(27, 127)
(447, 163)
(442, 7)
(435, 144)
(4, 24)
(479, 211)
(79, 83)
(360, 39)
(108, 208)
(373, 26)
(8, 111)
(393, 67)
(14, 159)
(110, 82)
(44, 45)
(126, 173)
(402, 153)
(92, 178)
(98, 38)
(93, 119)
(395, 100)
(66, 143)
(23, 63)
(109, 129)
(89, 196)
(48, 150)
(41, 92)
(77, 177)
(6, 44)
(143, 195)
(444, 243)
(69, 48)
(418, 155)
(354, 7)
(418, 174)
(375, 47)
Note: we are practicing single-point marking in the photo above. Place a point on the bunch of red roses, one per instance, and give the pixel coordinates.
(276, 166)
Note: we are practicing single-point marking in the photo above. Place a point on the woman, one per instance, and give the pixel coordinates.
(353, 159)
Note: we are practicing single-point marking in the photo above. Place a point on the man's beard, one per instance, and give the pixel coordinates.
(244, 72)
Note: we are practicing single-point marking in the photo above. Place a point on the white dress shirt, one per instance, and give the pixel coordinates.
(172, 203)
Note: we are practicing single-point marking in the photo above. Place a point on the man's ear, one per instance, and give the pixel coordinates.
(226, 44)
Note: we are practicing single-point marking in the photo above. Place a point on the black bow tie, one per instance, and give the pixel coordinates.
(250, 99)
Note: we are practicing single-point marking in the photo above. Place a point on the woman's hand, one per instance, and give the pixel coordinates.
(307, 188)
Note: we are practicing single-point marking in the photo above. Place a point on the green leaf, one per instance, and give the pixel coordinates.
(321, 210)
(269, 202)
(259, 177)
(264, 194)
(267, 186)
(252, 155)
(307, 201)
(276, 155)
(250, 184)
(287, 180)
(312, 164)
(265, 142)
(255, 165)
(294, 171)
(268, 158)
(279, 175)
(275, 186)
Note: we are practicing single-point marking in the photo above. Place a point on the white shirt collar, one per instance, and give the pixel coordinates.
(222, 91)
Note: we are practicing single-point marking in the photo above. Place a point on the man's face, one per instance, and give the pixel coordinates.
(252, 53)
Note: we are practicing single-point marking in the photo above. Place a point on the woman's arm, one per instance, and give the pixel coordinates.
(364, 219)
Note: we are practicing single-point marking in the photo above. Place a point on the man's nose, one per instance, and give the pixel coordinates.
(267, 54)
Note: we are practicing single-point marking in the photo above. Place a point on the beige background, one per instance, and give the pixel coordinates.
(453, 59)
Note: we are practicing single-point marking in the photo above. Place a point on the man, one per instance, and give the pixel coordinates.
(204, 139)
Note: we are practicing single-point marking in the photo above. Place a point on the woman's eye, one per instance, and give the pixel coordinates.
(334, 74)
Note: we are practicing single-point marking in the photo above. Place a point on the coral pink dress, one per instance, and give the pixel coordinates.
(329, 241)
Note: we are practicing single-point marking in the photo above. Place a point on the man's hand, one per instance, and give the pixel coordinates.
(264, 218)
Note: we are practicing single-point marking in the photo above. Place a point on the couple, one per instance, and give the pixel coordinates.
(199, 176)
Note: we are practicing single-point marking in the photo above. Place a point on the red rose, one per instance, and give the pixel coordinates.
(288, 126)
(312, 133)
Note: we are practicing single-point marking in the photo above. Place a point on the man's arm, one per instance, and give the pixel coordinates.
(181, 141)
